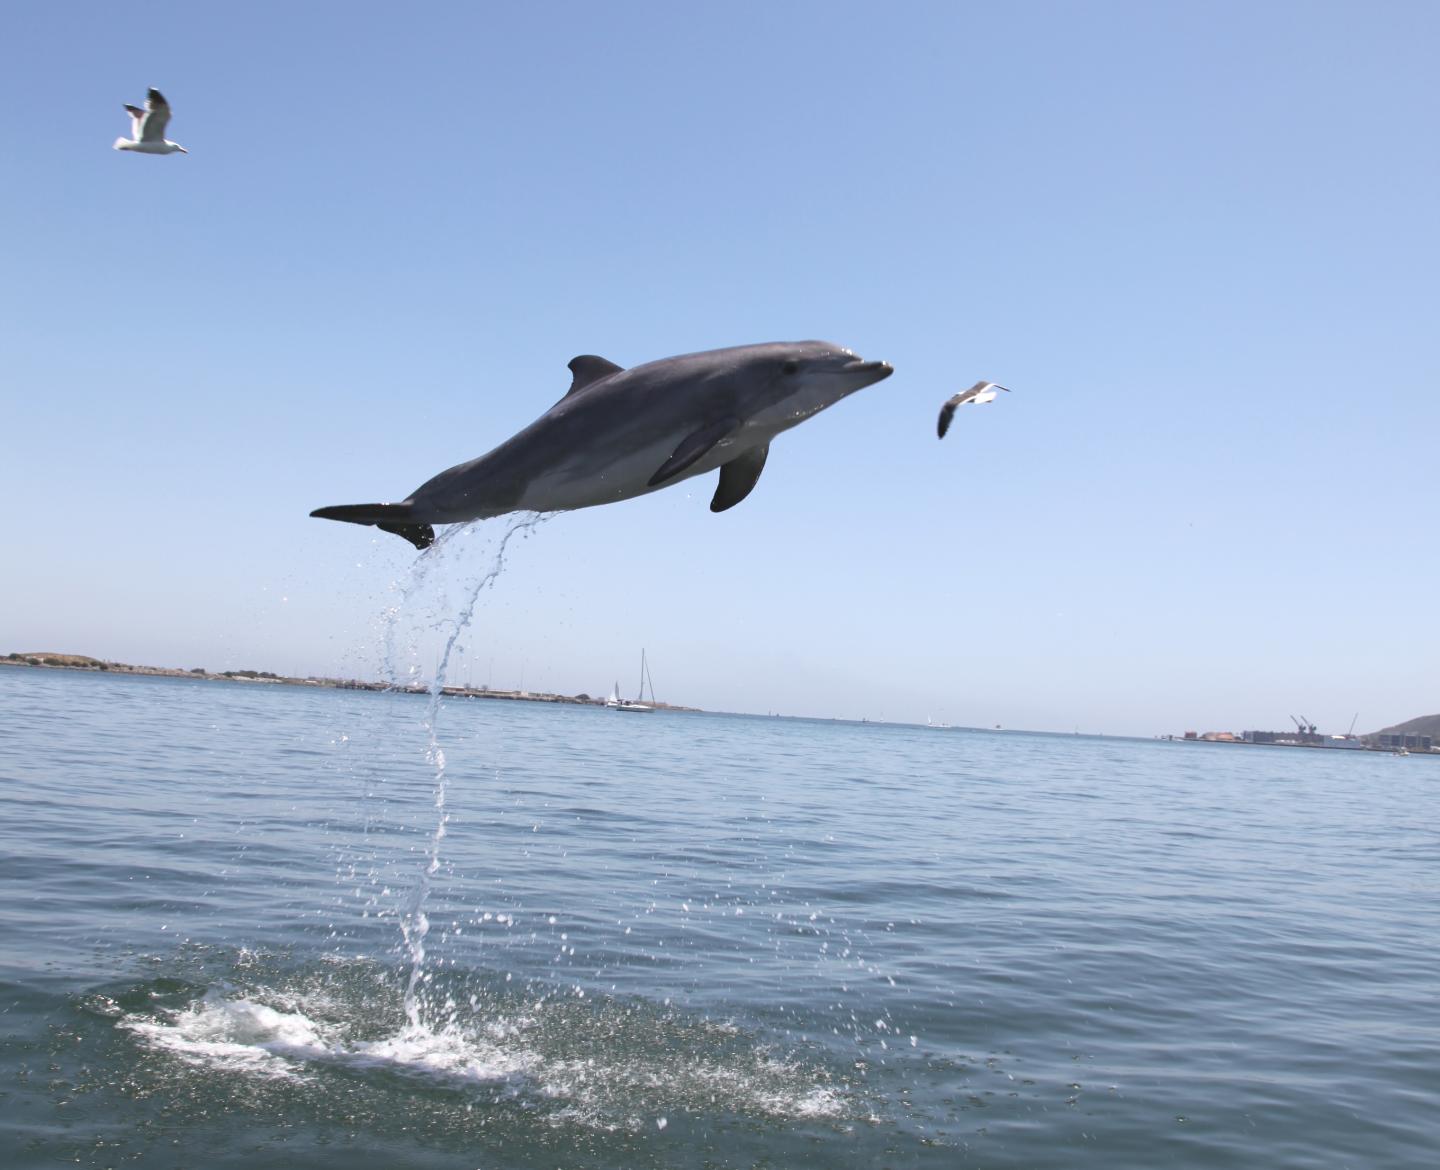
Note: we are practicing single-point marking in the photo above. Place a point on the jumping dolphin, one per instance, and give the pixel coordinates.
(621, 433)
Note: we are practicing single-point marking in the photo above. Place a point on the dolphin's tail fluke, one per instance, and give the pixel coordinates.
(386, 517)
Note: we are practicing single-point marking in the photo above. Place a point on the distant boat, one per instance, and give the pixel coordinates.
(616, 703)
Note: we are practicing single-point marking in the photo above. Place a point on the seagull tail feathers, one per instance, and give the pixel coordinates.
(386, 517)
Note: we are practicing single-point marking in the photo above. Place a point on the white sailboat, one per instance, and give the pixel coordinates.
(616, 703)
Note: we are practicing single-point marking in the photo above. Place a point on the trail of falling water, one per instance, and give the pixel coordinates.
(419, 574)
(414, 926)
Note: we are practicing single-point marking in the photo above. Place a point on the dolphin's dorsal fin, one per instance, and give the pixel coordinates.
(738, 477)
(589, 369)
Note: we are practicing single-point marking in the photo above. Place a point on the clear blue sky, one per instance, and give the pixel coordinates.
(1199, 241)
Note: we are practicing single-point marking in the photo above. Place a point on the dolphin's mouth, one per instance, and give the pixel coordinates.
(877, 370)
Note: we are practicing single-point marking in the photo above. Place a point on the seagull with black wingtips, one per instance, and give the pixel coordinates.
(147, 127)
(978, 393)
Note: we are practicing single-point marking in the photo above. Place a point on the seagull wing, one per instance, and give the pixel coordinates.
(980, 392)
(151, 128)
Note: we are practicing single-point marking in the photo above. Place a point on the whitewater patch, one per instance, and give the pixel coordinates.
(604, 1068)
(242, 1034)
(237, 1034)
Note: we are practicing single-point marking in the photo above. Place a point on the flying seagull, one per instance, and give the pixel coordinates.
(148, 127)
(980, 392)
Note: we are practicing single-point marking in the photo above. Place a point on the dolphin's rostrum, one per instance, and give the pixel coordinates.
(620, 433)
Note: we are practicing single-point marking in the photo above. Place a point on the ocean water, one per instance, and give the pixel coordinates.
(232, 934)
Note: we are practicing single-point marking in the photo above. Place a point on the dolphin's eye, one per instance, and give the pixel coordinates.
(790, 368)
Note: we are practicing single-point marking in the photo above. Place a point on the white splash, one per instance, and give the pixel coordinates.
(244, 1035)
(450, 1054)
(239, 1034)
(226, 1031)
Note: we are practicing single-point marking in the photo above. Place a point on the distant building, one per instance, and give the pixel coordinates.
(1309, 738)
(1407, 740)
(1351, 742)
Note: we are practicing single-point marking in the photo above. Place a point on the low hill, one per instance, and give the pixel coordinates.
(1424, 725)
(50, 658)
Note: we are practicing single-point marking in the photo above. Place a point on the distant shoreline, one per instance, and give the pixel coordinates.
(52, 661)
(1358, 747)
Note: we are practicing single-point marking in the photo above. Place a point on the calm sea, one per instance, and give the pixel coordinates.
(238, 928)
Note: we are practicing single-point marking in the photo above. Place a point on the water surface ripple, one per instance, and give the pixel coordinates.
(697, 940)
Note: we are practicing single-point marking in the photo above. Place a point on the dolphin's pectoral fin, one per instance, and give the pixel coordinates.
(589, 369)
(738, 478)
(691, 448)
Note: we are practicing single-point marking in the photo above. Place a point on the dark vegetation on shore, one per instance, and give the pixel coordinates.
(53, 661)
